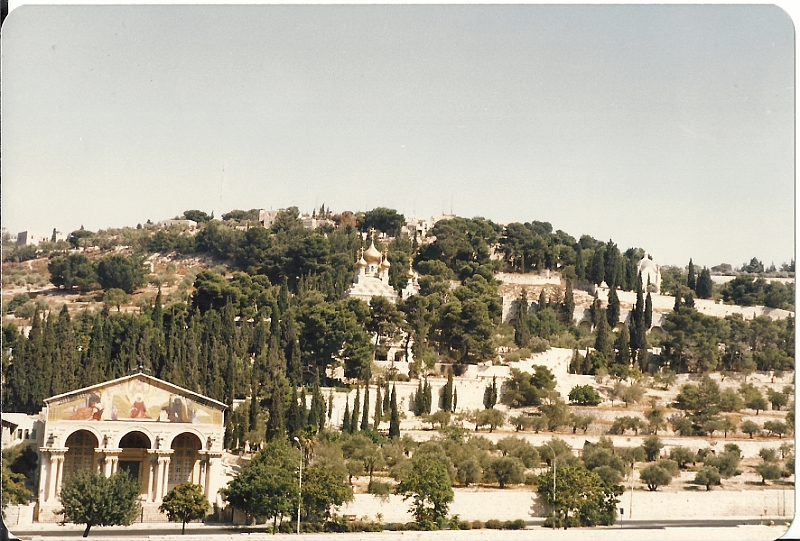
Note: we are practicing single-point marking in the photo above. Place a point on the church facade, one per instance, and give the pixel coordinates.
(161, 434)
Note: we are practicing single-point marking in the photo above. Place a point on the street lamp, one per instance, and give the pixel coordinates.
(300, 486)
(554, 483)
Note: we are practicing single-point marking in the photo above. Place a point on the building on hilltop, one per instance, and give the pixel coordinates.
(651, 275)
(161, 434)
(371, 277)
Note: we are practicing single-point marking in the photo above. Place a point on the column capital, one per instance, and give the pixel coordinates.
(54, 452)
(160, 453)
(107, 452)
(210, 454)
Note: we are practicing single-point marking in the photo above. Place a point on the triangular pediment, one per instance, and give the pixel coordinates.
(136, 397)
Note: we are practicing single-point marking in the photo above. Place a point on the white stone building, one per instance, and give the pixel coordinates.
(161, 434)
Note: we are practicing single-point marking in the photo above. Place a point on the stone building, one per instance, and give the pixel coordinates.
(161, 434)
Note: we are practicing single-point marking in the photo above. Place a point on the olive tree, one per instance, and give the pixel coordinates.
(184, 503)
(91, 498)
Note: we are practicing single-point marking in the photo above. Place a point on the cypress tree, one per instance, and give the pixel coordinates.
(611, 262)
(612, 312)
(522, 333)
(597, 271)
(378, 408)
(346, 420)
(580, 271)
(597, 312)
(677, 305)
(428, 392)
(386, 405)
(365, 412)
(691, 279)
(542, 301)
(252, 416)
(490, 394)
(602, 343)
(394, 419)
(705, 286)
(569, 303)
(417, 400)
(648, 311)
(356, 409)
(316, 416)
(622, 346)
(447, 392)
(455, 399)
(294, 419)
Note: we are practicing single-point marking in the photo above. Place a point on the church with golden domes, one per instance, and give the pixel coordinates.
(372, 276)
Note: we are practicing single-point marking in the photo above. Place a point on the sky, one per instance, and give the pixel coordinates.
(669, 128)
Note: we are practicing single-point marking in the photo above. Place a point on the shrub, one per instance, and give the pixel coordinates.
(477, 525)
(494, 524)
(517, 524)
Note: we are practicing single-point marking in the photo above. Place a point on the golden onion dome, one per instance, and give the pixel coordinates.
(372, 255)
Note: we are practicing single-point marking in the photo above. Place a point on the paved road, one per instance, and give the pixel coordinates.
(196, 532)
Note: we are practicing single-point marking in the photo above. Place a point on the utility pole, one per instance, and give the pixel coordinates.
(300, 485)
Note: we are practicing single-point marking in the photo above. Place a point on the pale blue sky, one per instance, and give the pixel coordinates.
(669, 128)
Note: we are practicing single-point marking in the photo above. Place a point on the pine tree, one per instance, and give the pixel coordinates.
(691, 279)
(612, 312)
(394, 419)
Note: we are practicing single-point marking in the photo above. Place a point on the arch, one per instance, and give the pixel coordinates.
(135, 439)
(80, 455)
(187, 430)
(88, 428)
(185, 461)
(134, 457)
(585, 324)
(144, 431)
(656, 329)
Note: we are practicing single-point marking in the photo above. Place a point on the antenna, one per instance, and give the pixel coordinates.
(221, 188)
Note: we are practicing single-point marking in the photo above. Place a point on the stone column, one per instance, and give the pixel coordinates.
(110, 461)
(57, 456)
(152, 475)
(213, 474)
(161, 477)
(44, 468)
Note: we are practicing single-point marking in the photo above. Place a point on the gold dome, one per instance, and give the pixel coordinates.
(372, 255)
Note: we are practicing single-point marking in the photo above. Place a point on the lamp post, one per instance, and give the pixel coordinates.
(554, 483)
(300, 485)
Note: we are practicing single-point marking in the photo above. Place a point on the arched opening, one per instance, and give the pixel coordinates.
(133, 458)
(185, 462)
(80, 454)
